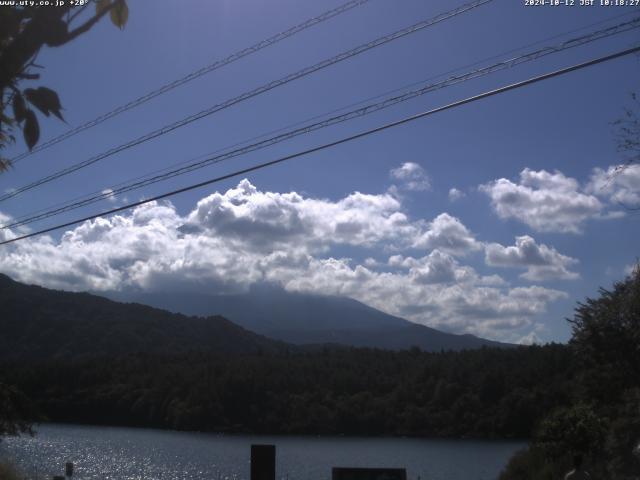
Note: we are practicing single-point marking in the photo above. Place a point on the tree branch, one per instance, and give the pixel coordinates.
(23, 48)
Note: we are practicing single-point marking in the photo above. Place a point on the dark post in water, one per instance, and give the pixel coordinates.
(342, 473)
(263, 462)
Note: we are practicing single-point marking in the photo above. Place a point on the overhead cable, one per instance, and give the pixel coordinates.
(113, 191)
(341, 141)
(247, 95)
(193, 75)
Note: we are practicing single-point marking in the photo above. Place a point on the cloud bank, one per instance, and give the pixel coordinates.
(232, 240)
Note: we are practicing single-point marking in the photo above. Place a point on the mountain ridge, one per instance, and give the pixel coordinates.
(39, 323)
(302, 318)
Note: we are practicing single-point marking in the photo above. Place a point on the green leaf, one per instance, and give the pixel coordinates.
(34, 98)
(19, 107)
(120, 14)
(45, 100)
(31, 129)
(51, 100)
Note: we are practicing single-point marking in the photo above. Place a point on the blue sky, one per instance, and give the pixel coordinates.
(533, 229)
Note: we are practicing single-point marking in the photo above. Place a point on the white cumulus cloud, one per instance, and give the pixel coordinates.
(455, 194)
(542, 262)
(546, 202)
(620, 184)
(108, 193)
(447, 233)
(531, 338)
(412, 176)
(265, 219)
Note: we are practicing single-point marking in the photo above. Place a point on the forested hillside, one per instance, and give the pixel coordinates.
(39, 323)
(42, 324)
(480, 393)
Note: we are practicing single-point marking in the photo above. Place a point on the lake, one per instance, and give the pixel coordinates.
(132, 453)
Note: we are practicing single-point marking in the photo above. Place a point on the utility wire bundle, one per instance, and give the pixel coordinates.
(369, 108)
(355, 113)
(249, 94)
(196, 74)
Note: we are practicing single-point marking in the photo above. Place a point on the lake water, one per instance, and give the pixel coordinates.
(131, 453)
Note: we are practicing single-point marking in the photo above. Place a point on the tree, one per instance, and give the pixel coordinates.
(604, 420)
(17, 412)
(24, 30)
(628, 140)
(628, 131)
(606, 339)
(574, 430)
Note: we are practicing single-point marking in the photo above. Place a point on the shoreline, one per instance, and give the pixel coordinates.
(237, 434)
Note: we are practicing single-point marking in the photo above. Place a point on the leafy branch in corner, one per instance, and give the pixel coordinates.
(24, 31)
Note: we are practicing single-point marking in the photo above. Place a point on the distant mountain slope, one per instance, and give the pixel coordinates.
(311, 319)
(38, 323)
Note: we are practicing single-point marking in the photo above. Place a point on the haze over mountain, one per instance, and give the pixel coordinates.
(301, 318)
(38, 323)
(43, 323)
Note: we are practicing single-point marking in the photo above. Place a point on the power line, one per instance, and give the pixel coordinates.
(123, 188)
(141, 182)
(350, 138)
(195, 74)
(252, 93)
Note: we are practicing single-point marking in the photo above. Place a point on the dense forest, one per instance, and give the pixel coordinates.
(482, 393)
